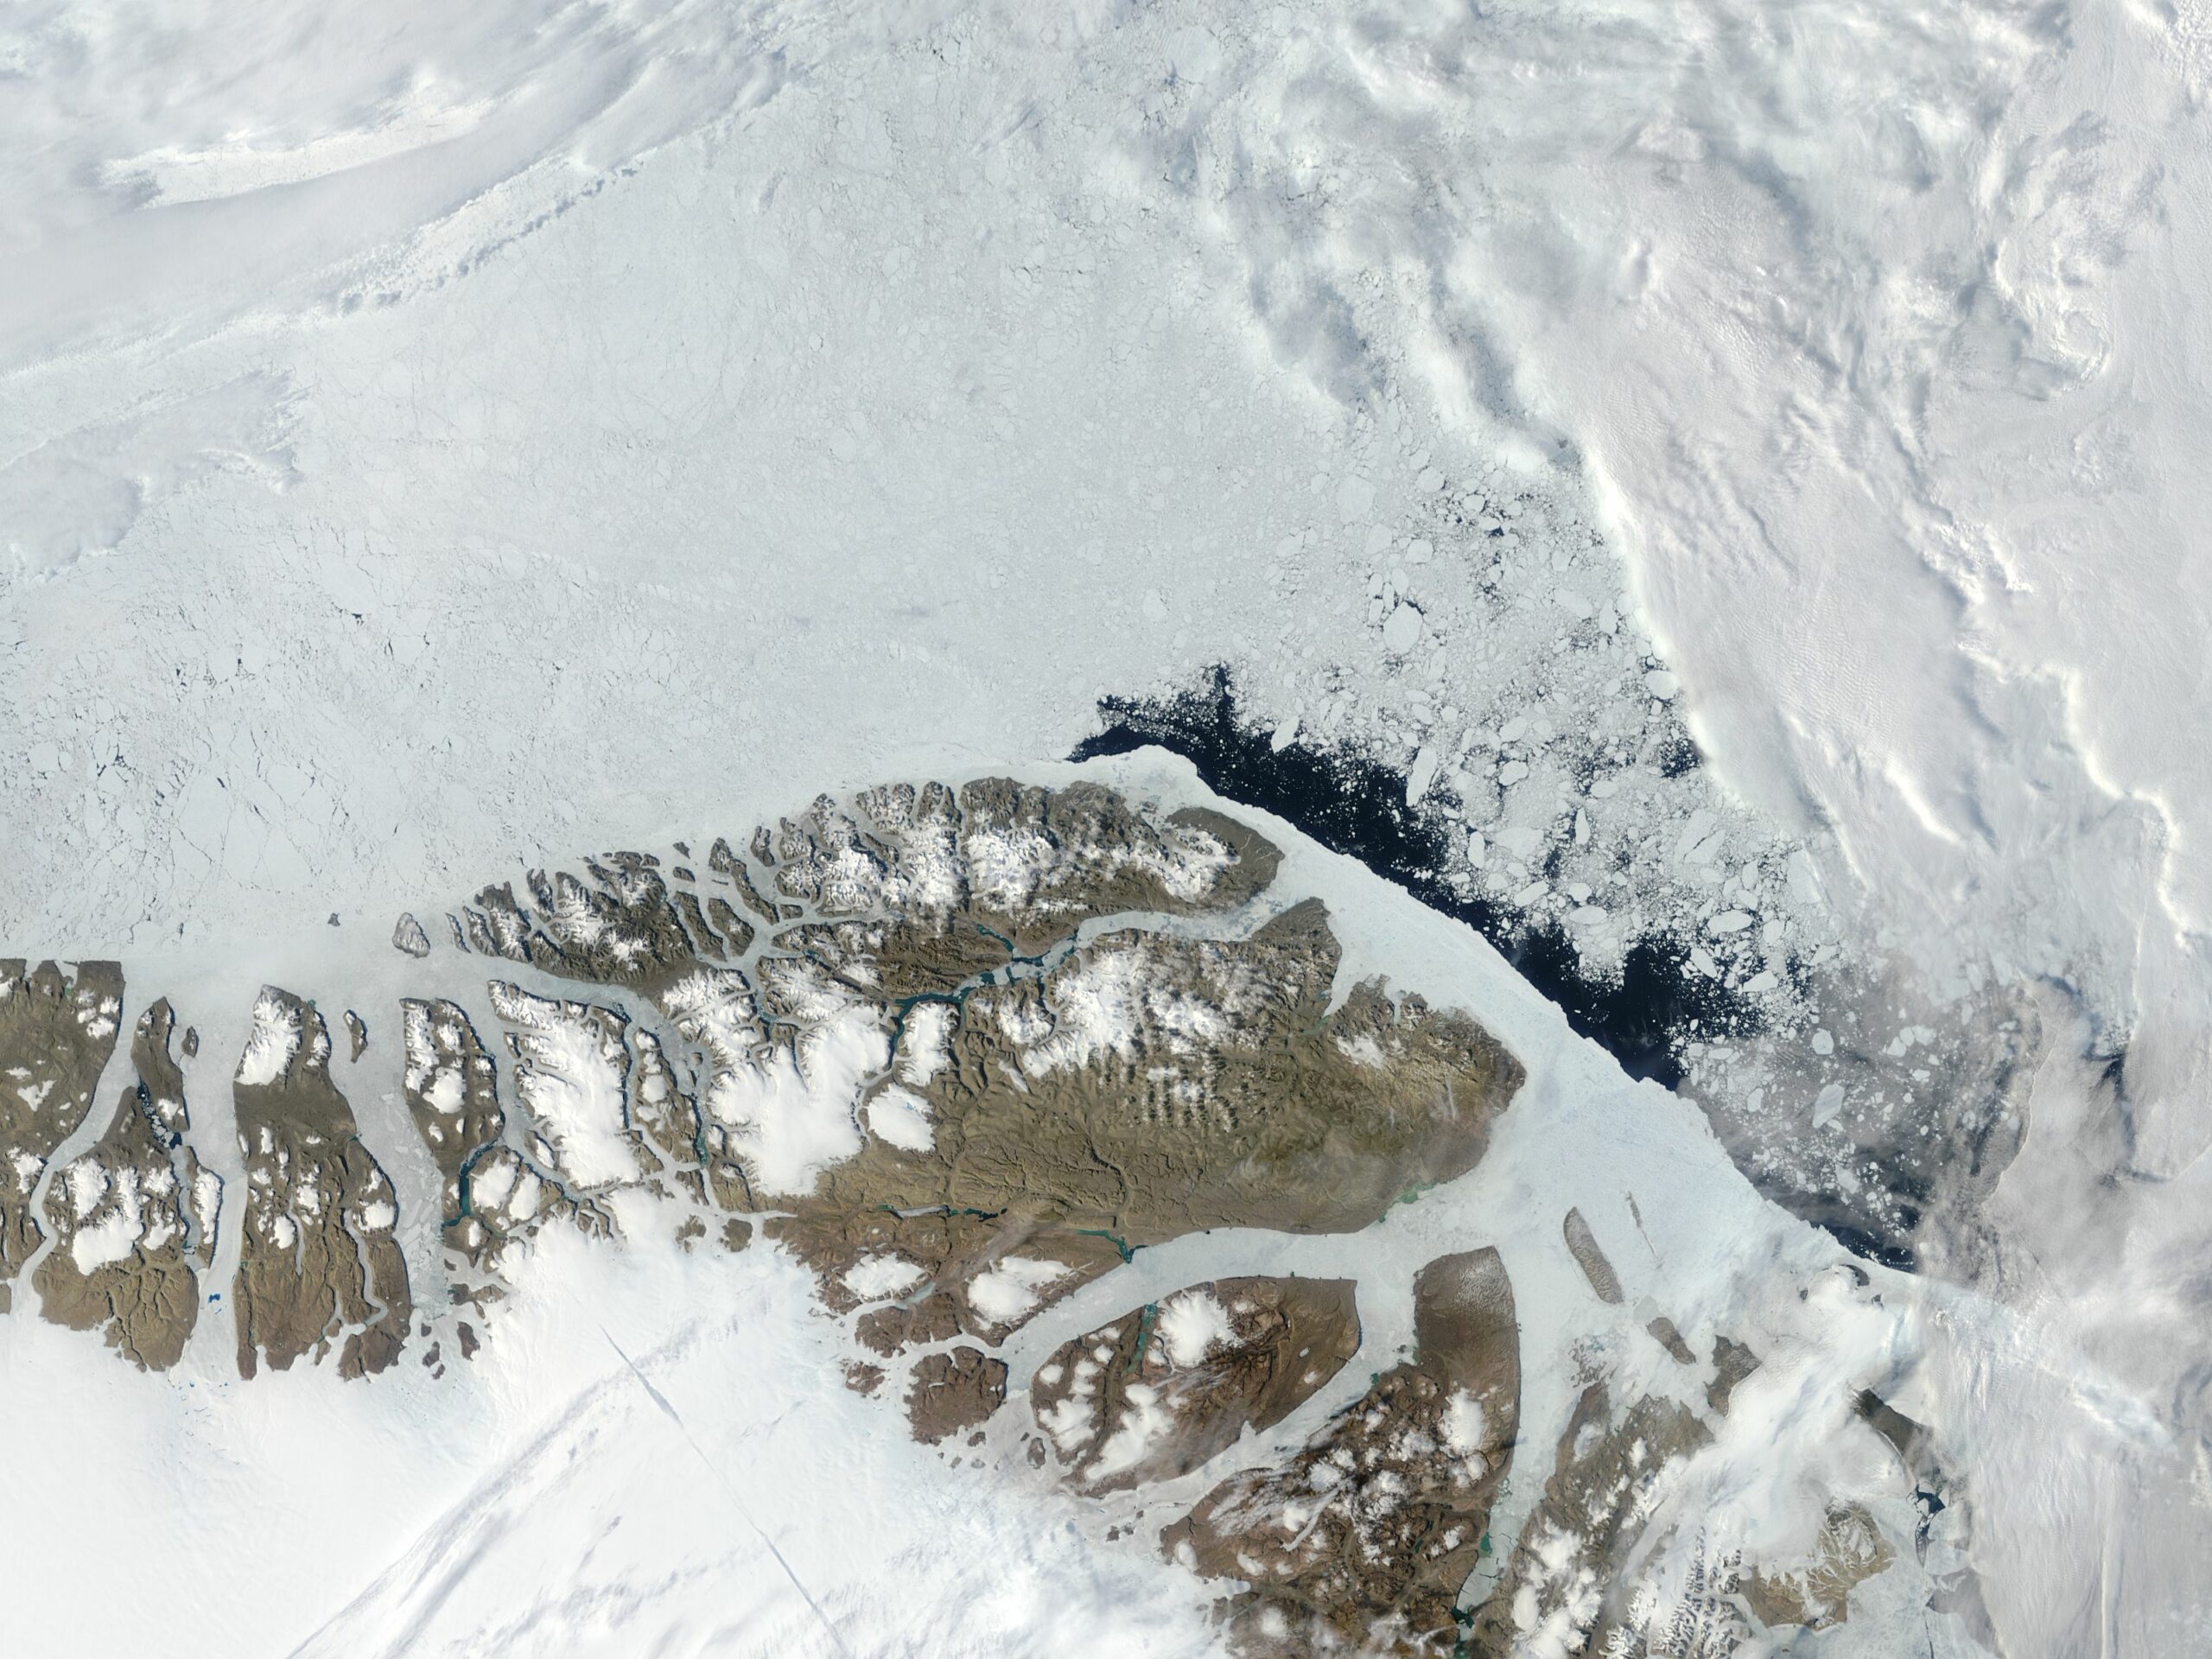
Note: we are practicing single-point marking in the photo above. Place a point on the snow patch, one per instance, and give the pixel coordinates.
(1145, 1422)
(1191, 1326)
(275, 1041)
(570, 1065)
(1011, 1290)
(789, 1109)
(872, 1278)
(925, 1043)
(900, 1118)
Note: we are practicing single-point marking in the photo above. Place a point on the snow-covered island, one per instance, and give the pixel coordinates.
(1172, 1181)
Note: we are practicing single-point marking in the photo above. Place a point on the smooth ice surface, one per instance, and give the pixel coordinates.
(549, 1500)
(872, 386)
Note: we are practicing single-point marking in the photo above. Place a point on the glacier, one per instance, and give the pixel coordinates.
(429, 442)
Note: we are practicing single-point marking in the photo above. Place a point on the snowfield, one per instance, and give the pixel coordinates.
(1734, 474)
(651, 1452)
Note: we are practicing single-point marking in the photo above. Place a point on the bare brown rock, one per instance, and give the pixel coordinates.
(726, 864)
(946, 1253)
(862, 1378)
(1936, 1491)
(318, 1265)
(161, 1081)
(953, 1393)
(1731, 1363)
(1360, 1543)
(450, 1085)
(893, 1329)
(130, 1216)
(572, 1079)
(1571, 1573)
(1040, 860)
(119, 1264)
(1582, 1244)
(665, 1113)
(1147, 1087)
(1166, 1387)
(949, 888)
(939, 888)
(493, 1194)
(736, 932)
(511, 1197)
(57, 1030)
(1913, 1444)
(706, 943)
(617, 925)
(1816, 1592)
(1662, 1331)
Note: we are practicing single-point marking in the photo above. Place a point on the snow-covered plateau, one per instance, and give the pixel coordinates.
(1680, 527)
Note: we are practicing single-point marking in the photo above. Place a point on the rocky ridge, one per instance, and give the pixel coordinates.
(961, 1052)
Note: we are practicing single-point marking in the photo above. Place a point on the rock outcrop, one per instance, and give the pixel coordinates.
(133, 1217)
(1362, 1541)
(57, 1030)
(318, 1266)
(1166, 1387)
